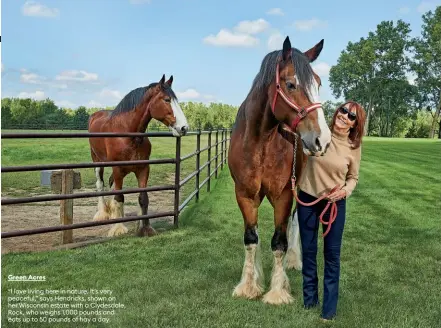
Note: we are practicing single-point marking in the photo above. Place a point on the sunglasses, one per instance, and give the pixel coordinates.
(352, 116)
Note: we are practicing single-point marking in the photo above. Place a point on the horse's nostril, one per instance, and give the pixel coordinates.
(317, 143)
(184, 129)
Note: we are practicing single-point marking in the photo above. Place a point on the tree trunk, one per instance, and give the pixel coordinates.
(368, 118)
(435, 119)
(439, 130)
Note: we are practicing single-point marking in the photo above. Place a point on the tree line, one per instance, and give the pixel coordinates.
(18, 113)
(396, 78)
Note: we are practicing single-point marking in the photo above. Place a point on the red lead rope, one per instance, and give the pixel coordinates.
(333, 205)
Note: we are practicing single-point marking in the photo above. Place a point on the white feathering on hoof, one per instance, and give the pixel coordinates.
(117, 229)
(294, 252)
(103, 206)
(117, 211)
(280, 292)
(251, 284)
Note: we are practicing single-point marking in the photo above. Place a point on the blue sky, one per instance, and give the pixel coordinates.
(93, 52)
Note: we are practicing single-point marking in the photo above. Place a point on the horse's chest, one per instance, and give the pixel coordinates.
(134, 150)
(276, 168)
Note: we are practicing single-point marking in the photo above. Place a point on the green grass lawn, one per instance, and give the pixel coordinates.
(390, 261)
(19, 152)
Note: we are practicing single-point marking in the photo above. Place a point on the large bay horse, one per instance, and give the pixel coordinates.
(132, 114)
(283, 97)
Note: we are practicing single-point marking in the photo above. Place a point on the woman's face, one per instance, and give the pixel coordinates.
(345, 118)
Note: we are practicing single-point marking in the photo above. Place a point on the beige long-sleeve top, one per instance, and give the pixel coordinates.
(340, 165)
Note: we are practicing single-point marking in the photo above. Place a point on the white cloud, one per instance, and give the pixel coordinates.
(188, 94)
(37, 95)
(33, 8)
(30, 78)
(322, 69)
(65, 104)
(275, 11)
(251, 27)
(240, 36)
(404, 10)
(275, 41)
(107, 93)
(33, 78)
(94, 104)
(74, 75)
(228, 38)
(3, 67)
(139, 2)
(309, 24)
(425, 6)
(192, 94)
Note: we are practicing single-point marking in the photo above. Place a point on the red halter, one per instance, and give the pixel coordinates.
(301, 112)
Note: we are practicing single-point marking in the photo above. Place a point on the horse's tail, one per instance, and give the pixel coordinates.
(111, 180)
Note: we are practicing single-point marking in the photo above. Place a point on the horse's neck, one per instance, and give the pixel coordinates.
(141, 117)
(261, 123)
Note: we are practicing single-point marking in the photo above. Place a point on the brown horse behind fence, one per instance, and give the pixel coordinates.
(283, 94)
(132, 114)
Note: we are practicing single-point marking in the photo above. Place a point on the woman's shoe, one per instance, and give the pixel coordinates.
(323, 320)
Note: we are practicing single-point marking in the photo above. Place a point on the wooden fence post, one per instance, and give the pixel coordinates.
(209, 161)
(198, 162)
(66, 205)
(177, 181)
(222, 150)
(217, 152)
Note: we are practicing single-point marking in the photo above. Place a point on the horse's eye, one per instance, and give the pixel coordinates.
(290, 85)
(167, 100)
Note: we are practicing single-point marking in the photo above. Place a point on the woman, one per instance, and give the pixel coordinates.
(339, 166)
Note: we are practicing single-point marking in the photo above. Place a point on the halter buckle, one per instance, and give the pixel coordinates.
(302, 113)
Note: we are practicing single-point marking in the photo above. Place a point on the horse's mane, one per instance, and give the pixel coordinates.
(267, 74)
(135, 97)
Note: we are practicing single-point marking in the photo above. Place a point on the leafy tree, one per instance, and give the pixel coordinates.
(80, 118)
(372, 70)
(427, 65)
(329, 108)
(420, 126)
(6, 113)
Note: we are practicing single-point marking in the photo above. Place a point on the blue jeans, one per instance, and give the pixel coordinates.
(309, 225)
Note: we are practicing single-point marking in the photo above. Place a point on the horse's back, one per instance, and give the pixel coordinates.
(97, 120)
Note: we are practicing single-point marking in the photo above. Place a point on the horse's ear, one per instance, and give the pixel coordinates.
(162, 79)
(170, 81)
(314, 52)
(287, 51)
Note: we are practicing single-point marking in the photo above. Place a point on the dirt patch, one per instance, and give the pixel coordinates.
(38, 215)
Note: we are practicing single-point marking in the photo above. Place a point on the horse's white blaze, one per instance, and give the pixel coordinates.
(181, 120)
(325, 135)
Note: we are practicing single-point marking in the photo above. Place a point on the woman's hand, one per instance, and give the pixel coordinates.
(337, 195)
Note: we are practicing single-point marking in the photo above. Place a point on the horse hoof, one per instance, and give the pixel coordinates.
(147, 231)
(248, 290)
(117, 229)
(101, 215)
(278, 297)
